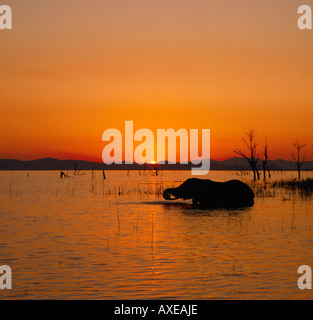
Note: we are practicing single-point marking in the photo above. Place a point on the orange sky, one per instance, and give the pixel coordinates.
(72, 69)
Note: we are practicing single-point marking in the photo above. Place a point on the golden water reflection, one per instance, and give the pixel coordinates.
(118, 239)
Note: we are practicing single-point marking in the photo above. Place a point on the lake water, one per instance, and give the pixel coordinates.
(85, 238)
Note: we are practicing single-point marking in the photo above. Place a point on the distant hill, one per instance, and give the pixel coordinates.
(56, 164)
(237, 163)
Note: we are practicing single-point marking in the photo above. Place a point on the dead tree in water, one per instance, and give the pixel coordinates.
(297, 157)
(251, 156)
(75, 167)
(265, 162)
(63, 175)
(151, 168)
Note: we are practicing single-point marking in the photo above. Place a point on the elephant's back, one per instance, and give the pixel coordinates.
(239, 187)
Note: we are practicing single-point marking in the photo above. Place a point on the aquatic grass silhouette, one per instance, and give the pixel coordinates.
(141, 189)
(284, 188)
(281, 188)
(305, 186)
(117, 214)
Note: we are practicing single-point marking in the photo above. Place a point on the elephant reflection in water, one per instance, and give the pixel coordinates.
(211, 194)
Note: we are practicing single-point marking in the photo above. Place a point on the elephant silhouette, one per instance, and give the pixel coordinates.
(206, 193)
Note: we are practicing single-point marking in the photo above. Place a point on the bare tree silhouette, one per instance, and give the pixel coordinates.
(63, 175)
(297, 158)
(265, 162)
(250, 157)
(75, 167)
(151, 168)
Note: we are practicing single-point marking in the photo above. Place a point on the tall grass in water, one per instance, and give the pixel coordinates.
(285, 188)
(303, 188)
(280, 188)
(118, 216)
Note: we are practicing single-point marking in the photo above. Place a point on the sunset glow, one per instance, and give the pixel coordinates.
(68, 76)
(157, 154)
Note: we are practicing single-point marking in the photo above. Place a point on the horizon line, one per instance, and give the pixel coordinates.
(100, 162)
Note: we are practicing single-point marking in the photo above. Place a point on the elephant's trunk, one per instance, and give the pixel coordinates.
(167, 194)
